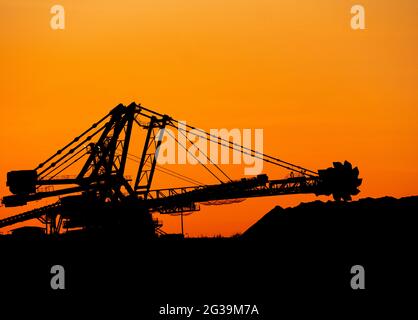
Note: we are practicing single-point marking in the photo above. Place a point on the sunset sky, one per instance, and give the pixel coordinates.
(321, 91)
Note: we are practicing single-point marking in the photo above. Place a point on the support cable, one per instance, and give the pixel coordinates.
(231, 144)
(234, 146)
(75, 140)
(169, 170)
(173, 174)
(208, 158)
(195, 157)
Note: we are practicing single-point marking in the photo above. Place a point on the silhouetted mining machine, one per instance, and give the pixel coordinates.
(101, 197)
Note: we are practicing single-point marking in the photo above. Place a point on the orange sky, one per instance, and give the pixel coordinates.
(322, 91)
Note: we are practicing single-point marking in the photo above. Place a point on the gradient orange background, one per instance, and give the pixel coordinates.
(322, 91)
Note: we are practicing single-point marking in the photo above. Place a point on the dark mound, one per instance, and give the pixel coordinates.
(366, 222)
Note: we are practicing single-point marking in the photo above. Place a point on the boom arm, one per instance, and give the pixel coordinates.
(341, 181)
(185, 199)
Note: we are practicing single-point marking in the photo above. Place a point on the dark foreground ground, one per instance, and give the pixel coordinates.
(295, 260)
